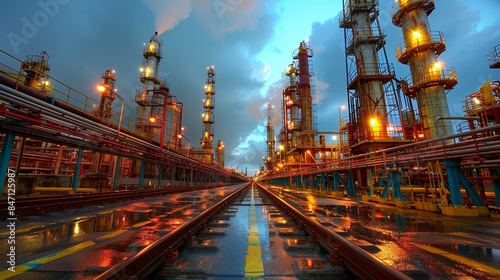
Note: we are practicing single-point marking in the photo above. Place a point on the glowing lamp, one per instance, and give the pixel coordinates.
(152, 119)
(101, 88)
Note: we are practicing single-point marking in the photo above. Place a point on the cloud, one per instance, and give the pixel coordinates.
(169, 13)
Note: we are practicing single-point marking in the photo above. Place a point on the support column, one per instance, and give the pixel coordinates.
(20, 155)
(58, 162)
(8, 145)
(76, 176)
(160, 175)
(172, 175)
(117, 172)
(455, 177)
(350, 184)
(496, 185)
(191, 177)
(141, 177)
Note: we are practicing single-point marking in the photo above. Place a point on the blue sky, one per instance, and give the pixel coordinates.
(248, 42)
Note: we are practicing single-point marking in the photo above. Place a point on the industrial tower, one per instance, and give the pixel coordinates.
(160, 113)
(429, 80)
(271, 142)
(291, 107)
(220, 154)
(374, 108)
(107, 90)
(208, 117)
(35, 67)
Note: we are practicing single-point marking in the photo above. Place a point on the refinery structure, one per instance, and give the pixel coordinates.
(394, 147)
(396, 144)
(99, 148)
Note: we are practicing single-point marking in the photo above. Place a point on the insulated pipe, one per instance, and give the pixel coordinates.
(84, 122)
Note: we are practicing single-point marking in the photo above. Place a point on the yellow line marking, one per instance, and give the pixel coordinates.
(35, 263)
(162, 216)
(462, 260)
(140, 224)
(113, 234)
(22, 230)
(254, 266)
(106, 212)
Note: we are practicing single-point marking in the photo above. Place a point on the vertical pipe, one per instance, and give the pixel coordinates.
(58, 162)
(143, 170)
(172, 175)
(117, 172)
(8, 145)
(20, 155)
(160, 175)
(496, 185)
(76, 176)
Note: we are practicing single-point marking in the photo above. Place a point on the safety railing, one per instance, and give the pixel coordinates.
(494, 57)
(446, 76)
(61, 92)
(433, 40)
(370, 69)
(400, 6)
(483, 144)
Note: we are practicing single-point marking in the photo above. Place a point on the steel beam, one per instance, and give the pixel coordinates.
(76, 175)
(455, 177)
(8, 145)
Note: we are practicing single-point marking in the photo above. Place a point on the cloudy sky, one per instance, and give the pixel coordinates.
(248, 42)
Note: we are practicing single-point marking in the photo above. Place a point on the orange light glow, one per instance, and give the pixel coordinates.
(101, 88)
(152, 119)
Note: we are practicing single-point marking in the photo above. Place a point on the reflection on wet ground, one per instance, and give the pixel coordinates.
(402, 235)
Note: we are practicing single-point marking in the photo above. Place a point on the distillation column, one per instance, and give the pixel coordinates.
(107, 90)
(220, 154)
(151, 99)
(271, 142)
(364, 40)
(208, 117)
(292, 101)
(429, 79)
(304, 52)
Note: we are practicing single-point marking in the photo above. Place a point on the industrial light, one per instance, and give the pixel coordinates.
(179, 136)
(152, 119)
(437, 66)
(416, 34)
(281, 147)
(342, 107)
(182, 128)
(373, 122)
(477, 101)
(420, 135)
(101, 88)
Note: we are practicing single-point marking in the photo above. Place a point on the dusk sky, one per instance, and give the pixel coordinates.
(249, 43)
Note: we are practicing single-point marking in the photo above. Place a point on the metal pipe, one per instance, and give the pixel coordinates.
(24, 100)
(76, 176)
(436, 119)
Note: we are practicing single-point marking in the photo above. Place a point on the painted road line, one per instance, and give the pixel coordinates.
(460, 259)
(140, 224)
(254, 266)
(113, 234)
(23, 230)
(35, 263)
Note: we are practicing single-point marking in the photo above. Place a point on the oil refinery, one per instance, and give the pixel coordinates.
(104, 182)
